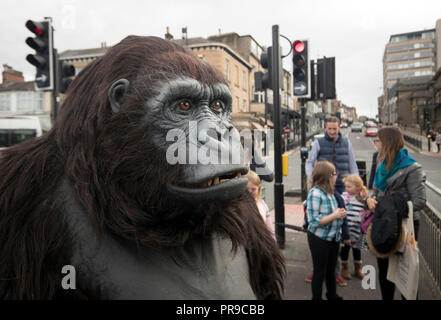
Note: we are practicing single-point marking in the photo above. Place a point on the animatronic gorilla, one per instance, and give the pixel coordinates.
(96, 193)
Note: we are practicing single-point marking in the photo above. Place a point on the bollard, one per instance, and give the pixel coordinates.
(285, 164)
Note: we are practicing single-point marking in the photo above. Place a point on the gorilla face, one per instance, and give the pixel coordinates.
(190, 124)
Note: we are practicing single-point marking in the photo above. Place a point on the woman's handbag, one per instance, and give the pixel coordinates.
(366, 217)
(403, 267)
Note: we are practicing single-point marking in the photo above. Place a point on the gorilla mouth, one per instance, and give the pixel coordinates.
(213, 181)
(220, 187)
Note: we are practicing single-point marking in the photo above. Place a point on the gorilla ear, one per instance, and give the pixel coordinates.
(116, 94)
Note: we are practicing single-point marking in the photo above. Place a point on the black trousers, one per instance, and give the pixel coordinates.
(324, 259)
(344, 255)
(387, 287)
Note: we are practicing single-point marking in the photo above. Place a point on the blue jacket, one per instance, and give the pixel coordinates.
(340, 153)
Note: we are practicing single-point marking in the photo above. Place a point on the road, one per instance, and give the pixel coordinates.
(364, 148)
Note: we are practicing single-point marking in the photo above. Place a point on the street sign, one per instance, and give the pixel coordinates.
(300, 89)
(287, 130)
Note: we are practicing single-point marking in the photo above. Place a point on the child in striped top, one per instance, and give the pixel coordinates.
(354, 201)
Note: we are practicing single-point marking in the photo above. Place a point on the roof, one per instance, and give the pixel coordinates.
(83, 53)
(223, 46)
(410, 33)
(190, 41)
(19, 86)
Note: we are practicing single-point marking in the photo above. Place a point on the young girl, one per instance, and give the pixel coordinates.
(324, 229)
(354, 201)
(254, 187)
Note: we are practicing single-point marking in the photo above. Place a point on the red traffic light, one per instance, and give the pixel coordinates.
(35, 27)
(298, 46)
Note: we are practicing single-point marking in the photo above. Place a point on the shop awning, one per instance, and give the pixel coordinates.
(257, 126)
(269, 122)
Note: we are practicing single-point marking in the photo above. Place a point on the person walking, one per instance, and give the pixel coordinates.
(438, 141)
(400, 173)
(336, 149)
(324, 229)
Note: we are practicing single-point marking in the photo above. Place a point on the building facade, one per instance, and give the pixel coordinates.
(19, 97)
(409, 59)
(409, 55)
(434, 100)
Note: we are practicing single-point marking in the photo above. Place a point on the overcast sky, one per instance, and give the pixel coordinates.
(354, 32)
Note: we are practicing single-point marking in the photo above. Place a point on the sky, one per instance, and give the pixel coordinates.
(354, 32)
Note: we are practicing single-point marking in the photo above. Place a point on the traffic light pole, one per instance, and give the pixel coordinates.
(279, 206)
(266, 120)
(303, 157)
(55, 91)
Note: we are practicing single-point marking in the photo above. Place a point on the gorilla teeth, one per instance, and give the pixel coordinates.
(216, 180)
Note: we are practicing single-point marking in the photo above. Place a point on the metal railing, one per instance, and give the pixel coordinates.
(429, 241)
(413, 140)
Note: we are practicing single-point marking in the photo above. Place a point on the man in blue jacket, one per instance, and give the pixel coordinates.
(336, 149)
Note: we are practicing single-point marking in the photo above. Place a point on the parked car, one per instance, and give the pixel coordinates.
(357, 127)
(344, 125)
(371, 132)
(370, 124)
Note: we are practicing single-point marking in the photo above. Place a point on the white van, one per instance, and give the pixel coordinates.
(15, 129)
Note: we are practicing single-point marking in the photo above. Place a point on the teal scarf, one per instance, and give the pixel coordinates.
(402, 160)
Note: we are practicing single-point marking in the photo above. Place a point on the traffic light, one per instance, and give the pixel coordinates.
(326, 78)
(43, 57)
(300, 71)
(262, 80)
(65, 75)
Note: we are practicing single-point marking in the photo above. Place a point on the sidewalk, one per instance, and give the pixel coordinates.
(432, 154)
(298, 258)
(299, 263)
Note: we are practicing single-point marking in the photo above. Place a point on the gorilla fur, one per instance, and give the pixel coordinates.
(118, 177)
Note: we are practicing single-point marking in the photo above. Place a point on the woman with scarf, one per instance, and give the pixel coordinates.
(397, 172)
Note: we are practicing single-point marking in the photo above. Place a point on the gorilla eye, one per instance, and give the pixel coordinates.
(184, 105)
(217, 105)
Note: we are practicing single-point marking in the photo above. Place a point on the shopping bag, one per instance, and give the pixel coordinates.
(366, 217)
(403, 269)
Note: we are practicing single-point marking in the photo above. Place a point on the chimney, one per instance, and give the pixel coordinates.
(168, 35)
(11, 76)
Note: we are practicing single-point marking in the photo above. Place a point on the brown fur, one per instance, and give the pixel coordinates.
(118, 177)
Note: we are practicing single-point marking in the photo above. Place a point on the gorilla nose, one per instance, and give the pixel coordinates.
(212, 130)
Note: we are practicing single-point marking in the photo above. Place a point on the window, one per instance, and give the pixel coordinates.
(419, 45)
(9, 137)
(410, 74)
(244, 105)
(5, 102)
(236, 69)
(258, 96)
(415, 55)
(428, 35)
(228, 70)
(30, 101)
(244, 79)
(417, 64)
